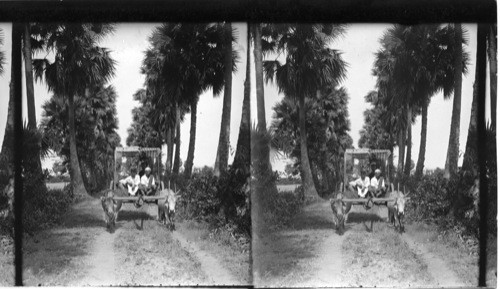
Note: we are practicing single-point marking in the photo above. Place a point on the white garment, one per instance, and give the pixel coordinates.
(132, 183)
(375, 183)
(145, 180)
(363, 188)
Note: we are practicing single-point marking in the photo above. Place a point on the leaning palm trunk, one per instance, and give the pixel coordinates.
(408, 144)
(401, 152)
(30, 94)
(242, 156)
(306, 174)
(451, 164)
(221, 159)
(177, 156)
(470, 161)
(188, 168)
(492, 57)
(76, 173)
(8, 139)
(170, 152)
(423, 139)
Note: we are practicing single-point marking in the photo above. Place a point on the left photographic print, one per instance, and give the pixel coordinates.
(136, 154)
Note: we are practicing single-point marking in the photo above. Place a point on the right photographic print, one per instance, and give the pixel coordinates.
(374, 158)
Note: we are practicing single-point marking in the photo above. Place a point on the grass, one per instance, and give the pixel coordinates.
(283, 257)
(54, 258)
(382, 259)
(6, 261)
(461, 255)
(151, 257)
(232, 250)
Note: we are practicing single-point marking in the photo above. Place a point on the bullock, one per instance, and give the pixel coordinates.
(166, 207)
(396, 209)
(340, 213)
(111, 209)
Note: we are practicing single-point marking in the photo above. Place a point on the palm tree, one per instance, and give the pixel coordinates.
(416, 60)
(190, 59)
(8, 139)
(221, 158)
(78, 64)
(451, 164)
(28, 65)
(2, 54)
(309, 66)
(492, 57)
(242, 156)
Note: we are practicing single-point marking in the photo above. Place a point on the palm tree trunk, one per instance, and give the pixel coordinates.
(177, 156)
(76, 173)
(221, 159)
(259, 78)
(263, 153)
(401, 152)
(408, 144)
(451, 164)
(242, 156)
(8, 139)
(492, 56)
(306, 174)
(170, 152)
(188, 168)
(423, 140)
(470, 161)
(30, 93)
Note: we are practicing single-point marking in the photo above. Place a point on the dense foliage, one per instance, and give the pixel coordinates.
(220, 201)
(327, 122)
(96, 124)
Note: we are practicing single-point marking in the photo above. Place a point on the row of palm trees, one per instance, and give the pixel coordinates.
(73, 64)
(414, 64)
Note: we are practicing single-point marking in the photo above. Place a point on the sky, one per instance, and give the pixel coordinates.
(358, 46)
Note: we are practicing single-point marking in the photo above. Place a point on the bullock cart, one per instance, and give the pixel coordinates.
(359, 163)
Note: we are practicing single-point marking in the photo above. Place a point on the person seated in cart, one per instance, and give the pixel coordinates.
(130, 183)
(147, 185)
(360, 184)
(377, 184)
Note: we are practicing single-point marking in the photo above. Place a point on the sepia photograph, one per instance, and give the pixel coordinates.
(365, 157)
(136, 153)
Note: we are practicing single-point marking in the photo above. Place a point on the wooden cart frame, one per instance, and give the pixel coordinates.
(355, 159)
(122, 165)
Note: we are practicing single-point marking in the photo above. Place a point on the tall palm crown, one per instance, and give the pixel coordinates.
(184, 60)
(78, 63)
(309, 64)
(414, 63)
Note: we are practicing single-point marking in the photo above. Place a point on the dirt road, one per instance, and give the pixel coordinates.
(140, 252)
(310, 253)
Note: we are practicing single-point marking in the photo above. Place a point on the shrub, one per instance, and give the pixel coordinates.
(219, 201)
(43, 208)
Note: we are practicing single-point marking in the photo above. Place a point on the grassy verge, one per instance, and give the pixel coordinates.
(461, 254)
(233, 250)
(152, 257)
(381, 259)
(6, 261)
(55, 258)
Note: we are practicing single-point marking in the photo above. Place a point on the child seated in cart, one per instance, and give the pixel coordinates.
(130, 183)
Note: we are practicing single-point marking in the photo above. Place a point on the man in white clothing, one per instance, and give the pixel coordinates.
(131, 182)
(148, 184)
